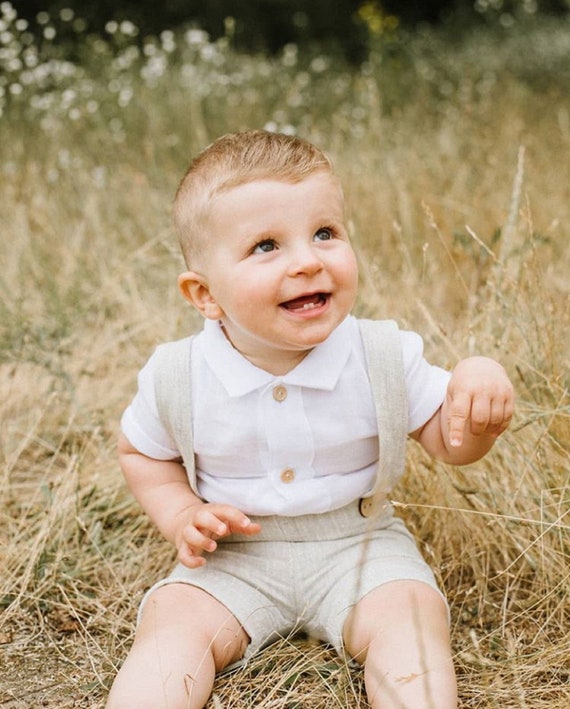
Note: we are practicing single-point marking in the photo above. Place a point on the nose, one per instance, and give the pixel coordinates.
(305, 261)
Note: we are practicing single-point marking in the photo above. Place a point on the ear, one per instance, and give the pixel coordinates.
(195, 290)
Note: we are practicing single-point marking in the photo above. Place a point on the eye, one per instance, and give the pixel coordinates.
(264, 247)
(324, 234)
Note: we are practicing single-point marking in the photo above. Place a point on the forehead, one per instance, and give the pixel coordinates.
(318, 192)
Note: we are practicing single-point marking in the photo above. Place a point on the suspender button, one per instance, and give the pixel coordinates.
(366, 506)
(373, 505)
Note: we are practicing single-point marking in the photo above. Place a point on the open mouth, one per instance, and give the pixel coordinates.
(306, 302)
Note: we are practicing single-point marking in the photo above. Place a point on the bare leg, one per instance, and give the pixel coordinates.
(400, 632)
(185, 636)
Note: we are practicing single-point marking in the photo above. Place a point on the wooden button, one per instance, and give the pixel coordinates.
(366, 506)
(374, 505)
(279, 393)
(287, 475)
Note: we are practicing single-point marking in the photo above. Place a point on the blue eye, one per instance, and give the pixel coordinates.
(264, 247)
(324, 234)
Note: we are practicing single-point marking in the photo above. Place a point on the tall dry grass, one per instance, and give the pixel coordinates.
(459, 198)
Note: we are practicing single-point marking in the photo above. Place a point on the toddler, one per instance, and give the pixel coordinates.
(263, 447)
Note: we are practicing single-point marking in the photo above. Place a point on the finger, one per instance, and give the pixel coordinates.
(251, 529)
(496, 414)
(236, 521)
(458, 412)
(210, 520)
(499, 427)
(197, 540)
(508, 414)
(480, 414)
(245, 526)
(496, 424)
(188, 558)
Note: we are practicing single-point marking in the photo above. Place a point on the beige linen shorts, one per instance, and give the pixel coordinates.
(305, 574)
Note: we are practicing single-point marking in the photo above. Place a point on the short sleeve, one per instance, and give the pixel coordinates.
(426, 383)
(140, 422)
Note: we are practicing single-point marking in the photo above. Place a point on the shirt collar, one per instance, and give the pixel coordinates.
(321, 368)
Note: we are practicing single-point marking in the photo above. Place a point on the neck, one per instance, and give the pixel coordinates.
(276, 363)
(279, 366)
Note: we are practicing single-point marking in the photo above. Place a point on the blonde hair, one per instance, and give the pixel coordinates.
(232, 160)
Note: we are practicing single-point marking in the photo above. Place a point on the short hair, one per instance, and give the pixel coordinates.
(233, 160)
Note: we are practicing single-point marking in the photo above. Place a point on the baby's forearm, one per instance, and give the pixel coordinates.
(160, 486)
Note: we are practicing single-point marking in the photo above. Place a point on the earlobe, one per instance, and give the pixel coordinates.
(195, 290)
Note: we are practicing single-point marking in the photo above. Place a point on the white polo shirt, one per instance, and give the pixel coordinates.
(301, 443)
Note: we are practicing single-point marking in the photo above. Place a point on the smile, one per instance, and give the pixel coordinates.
(306, 302)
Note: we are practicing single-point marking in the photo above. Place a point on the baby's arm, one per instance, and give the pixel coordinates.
(162, 489)
(478, 407)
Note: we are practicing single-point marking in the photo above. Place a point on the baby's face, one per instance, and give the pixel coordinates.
(279, 268)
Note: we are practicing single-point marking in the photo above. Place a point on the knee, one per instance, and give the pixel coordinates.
(402, 602)
(395, 610)
(400, 633)
(190, 619)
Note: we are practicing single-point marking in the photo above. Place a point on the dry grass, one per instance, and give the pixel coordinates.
(463, 237)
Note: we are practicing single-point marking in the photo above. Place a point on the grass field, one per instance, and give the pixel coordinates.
(454, 157)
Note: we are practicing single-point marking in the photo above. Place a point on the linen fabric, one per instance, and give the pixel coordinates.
(305, 573)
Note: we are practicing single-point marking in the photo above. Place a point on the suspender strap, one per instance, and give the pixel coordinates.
(384, 358)
(173, 392)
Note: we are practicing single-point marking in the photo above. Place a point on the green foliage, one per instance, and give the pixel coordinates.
(106, 79)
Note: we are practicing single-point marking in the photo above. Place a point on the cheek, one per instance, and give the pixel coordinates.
(250, 291)
(350, 281)
(348, 271)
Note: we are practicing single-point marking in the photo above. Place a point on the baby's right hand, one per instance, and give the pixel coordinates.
(200, 525)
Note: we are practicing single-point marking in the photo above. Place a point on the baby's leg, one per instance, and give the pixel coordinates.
(400, 632)
(185, 636)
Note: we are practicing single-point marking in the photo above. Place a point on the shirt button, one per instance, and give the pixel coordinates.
(287, 475)
(279, 393)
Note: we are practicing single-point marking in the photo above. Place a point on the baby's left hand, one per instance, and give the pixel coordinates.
(480, 400)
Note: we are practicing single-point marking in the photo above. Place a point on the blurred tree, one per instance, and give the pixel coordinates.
(267, 25)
